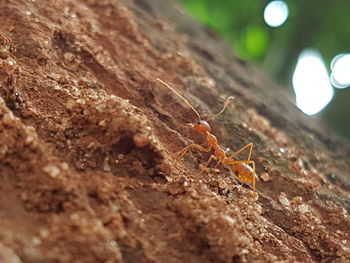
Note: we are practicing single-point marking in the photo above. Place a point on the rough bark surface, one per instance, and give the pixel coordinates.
(88, 137)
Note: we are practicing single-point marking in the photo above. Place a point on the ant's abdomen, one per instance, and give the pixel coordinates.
(244, 172)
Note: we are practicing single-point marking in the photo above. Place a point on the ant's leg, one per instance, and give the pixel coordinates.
(216, 165)
(242, 149)
(208, 162)
(181, 153)
(254, 175)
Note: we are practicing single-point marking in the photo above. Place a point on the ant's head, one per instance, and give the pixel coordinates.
(202, 127)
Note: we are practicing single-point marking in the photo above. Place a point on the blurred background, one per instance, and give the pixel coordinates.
(303, 45)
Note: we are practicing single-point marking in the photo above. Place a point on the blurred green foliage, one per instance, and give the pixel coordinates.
(239, 22)
(322, 24)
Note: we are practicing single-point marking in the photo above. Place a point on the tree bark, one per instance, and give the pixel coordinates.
(88, 142)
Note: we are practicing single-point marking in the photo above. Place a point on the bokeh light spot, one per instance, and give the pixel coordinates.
(311, 83)
(340, 65)
(276, 13)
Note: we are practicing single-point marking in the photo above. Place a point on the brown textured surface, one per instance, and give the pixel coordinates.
(87, 143)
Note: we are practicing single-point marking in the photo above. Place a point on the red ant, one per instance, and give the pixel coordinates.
(242, 169)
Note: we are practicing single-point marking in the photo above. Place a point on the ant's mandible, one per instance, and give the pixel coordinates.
(242, 169)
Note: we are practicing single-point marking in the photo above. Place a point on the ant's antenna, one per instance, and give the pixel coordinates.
(223, 109)
(178, 94)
